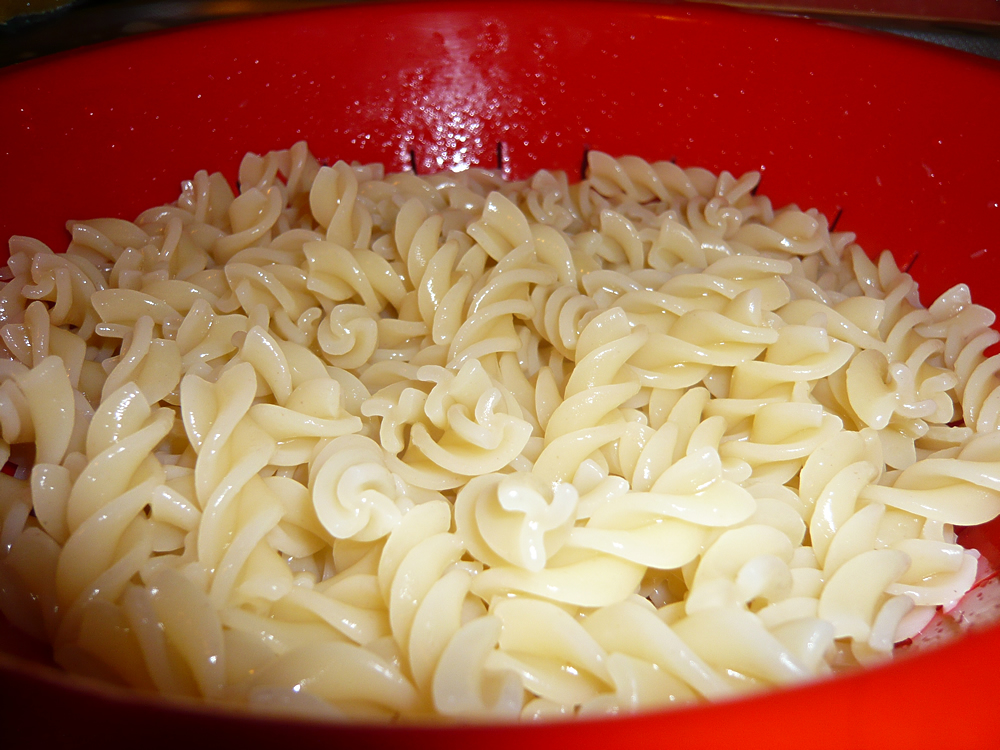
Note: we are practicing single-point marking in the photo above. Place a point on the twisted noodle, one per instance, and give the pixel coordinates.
(373, 446)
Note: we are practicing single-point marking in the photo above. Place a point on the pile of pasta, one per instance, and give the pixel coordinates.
(381, 447)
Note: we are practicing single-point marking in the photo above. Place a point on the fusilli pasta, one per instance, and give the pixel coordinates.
(375, 446)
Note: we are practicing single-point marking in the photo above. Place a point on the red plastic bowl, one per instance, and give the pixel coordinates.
(899, 137)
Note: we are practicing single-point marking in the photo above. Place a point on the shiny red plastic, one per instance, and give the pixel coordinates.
(899, 138)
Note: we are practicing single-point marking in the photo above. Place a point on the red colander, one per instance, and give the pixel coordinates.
(899, 140)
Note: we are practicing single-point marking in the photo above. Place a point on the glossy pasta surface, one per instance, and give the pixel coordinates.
(374, 446)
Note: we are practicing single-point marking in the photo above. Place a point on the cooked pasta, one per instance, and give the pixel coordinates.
(379, 447)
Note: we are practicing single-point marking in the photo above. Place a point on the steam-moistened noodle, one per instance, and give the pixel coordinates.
(374, 446)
